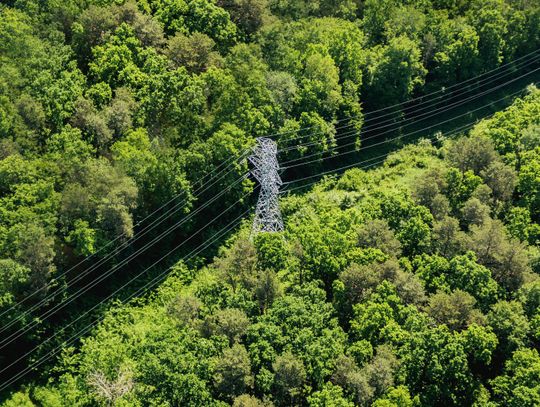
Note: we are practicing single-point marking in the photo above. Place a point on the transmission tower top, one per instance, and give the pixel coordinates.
(266, 166)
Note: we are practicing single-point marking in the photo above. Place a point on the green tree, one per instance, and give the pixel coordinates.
(248, 15)
(289, 379)
(245, 400)
(456, 310)
(461, 272)
(455, 56)
(518, 386)
(158, 175)
(436, 367)
(474, 212)
(448, 239)
(267, 288)
(510, 324)
(118, 61)
(501, 179)
(232, 375)
(31, 246)
(312, 129)
(14, 278)
(492, 28)
(329, 396)
(171, 103)
(466, 274)
(505, 257)
(104, 197)
(398, 396)
(229, 322)
(375, 17)
(318, 8)
(529, 182)
(371, 381)
(520, 225)
(195, 52)
(308, 320)
(196, 15)
(394, 72)
(320, 90)
(472, 153)
(377, 234)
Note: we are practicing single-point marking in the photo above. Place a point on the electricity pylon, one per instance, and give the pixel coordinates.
(266, 166)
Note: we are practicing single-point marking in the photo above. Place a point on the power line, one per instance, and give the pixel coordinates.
(470, 124)
(45, 315)
(171, 210)
(397, 137)
(101, 261)
(143, 289)
(383, 156)
(291, 166)
(376, 160)
(157, 279)
(459, 84)
(408, 119)
(442, 91)
(180, 194)
(428, 104)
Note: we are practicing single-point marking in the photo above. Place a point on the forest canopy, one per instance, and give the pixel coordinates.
(373, 295)
(412, 284)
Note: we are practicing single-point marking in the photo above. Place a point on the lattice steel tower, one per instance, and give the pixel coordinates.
(266, 166)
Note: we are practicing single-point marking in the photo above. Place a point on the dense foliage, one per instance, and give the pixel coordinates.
(415, 284)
